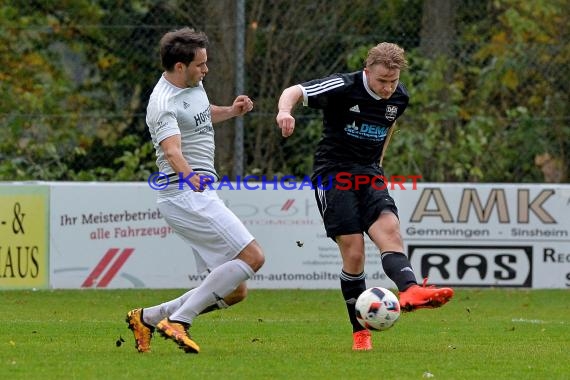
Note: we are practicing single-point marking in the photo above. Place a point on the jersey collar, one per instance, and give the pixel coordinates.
(365, 83)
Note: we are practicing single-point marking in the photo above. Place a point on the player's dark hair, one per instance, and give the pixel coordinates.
(180, 46)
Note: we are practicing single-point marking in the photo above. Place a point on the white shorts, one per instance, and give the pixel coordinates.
(214, 232)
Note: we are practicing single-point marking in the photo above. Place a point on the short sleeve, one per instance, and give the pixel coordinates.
(166, 126)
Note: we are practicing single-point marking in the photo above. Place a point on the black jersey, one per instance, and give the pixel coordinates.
(356, 122)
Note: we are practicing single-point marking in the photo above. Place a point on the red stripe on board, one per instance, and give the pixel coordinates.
(287, 205)
(115, 267)
(99, 268)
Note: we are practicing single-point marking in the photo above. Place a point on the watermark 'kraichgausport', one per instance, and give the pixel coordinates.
(341, 181)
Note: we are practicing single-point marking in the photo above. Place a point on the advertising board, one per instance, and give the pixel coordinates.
(484, 235)
(24, 233)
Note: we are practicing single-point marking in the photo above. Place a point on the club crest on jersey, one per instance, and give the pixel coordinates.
(391, 112)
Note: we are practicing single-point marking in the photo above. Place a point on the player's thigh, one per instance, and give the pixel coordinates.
(339, 210)
(375, 201)
(205, 222)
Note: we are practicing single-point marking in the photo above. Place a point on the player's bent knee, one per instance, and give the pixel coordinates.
(253, 256)
(387, 225)
(259, 260)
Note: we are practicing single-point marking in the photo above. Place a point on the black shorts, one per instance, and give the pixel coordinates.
(351, 208)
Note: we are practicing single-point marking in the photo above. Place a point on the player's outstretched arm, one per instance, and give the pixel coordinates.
(241, 105)
(287, 101)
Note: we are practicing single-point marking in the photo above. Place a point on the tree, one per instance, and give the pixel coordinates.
(485, 76)
(507, 101)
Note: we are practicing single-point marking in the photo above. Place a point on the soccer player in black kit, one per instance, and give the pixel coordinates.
(359, 111)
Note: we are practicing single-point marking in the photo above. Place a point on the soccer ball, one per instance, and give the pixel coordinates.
(377, 309)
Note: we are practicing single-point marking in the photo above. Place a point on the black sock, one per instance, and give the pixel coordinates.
(352, 285)
(398, 268)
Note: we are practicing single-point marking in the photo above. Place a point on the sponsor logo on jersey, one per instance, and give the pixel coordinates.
(366, 131)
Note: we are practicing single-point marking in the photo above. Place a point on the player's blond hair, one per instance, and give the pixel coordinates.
(388, 54)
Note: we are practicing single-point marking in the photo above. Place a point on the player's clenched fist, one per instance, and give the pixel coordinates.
(286, 122)
(242, 104)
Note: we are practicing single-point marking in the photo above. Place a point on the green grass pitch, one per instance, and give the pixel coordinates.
(287, 334)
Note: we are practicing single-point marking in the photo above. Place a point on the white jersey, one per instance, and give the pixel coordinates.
(186, 112)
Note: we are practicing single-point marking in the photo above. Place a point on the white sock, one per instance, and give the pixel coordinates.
(154, 314)
(220, 282)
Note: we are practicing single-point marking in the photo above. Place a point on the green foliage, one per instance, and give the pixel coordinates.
(134, 163)
(67, 94)
(501, 108)
(307, 137)
(75, 77)
(286, 334)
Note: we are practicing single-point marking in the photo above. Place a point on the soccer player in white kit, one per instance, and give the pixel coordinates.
(180, 119)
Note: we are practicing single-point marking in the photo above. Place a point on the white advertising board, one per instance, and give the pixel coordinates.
(111, 235)
(489, 234)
